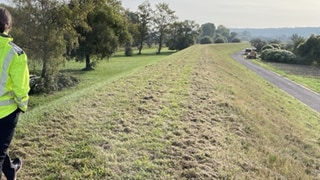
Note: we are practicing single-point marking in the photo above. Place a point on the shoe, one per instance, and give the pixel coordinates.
(17, 164)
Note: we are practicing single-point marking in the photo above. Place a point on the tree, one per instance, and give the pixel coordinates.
(245, 36)
(107, 31)
(236, 40)
(220, 39)
(258, 44)
(163, 17)
(206, 40)
(133, 27)
(78, 19)
(232, 36)
(208, 29)
(296, 41)
(310, 49)
(144, 18)
(182, 35)
(222, 31)
(41, 31)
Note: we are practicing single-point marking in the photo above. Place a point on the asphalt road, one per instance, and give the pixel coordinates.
(301, 93)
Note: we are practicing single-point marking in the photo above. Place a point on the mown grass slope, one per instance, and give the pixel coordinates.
(195, 114)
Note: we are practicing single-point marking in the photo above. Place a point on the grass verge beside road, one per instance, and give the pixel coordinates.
(308, 76)
(195, 114)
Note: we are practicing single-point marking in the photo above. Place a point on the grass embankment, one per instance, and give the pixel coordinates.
(195, 114)
(119, 65)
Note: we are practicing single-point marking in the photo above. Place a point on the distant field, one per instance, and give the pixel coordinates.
(196, 114)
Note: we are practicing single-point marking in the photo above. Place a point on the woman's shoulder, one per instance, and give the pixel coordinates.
(16, 48)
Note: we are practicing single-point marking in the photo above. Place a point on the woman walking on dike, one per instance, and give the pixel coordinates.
(14, 88)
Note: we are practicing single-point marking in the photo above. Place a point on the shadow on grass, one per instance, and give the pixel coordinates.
(74, 71)
(146, 54)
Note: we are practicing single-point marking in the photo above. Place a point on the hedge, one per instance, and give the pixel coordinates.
(278, 55)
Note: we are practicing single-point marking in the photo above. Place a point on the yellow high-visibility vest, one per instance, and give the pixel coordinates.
(14, 77)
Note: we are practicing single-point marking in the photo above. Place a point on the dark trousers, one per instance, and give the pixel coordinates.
(7, 127)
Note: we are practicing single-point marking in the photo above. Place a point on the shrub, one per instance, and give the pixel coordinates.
(270, 46)
(128, 51)
(278, 55)
(276, 46)
(206, 40)
(219, 40)
(58, 82)
(257, 43)
(236, 40)
(310, 49)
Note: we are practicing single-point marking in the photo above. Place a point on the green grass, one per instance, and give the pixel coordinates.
(117, 66)
(196, 114)
(310, 81)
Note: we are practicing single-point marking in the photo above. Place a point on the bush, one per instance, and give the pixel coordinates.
(310, 49)
(276, 46)
(206, 40)
(58, 82)
(236, 40)
(277, 55)
(219, 40)
(304, 60)
(270, 46)
(128, 51)
(258, 44)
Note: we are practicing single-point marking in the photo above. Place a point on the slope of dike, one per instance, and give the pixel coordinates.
(197, 114)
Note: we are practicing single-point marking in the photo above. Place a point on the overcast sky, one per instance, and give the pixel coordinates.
(243, 13)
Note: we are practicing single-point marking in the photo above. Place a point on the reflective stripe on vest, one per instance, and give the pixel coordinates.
(5, 68)
(21, 103)
(6, 102)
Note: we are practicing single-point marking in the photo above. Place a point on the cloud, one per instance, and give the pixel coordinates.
(245, 13)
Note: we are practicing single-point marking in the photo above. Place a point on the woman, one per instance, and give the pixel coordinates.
(14, 88)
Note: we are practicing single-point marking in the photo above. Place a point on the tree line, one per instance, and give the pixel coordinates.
(53, 31)
(299, 50)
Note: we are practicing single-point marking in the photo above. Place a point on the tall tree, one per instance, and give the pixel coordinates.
(296, 41)
(163, 17)
(208, 29)
(108, 30)
(223, 32)
(232, 36)
(310, 49)
(257, 43)
(144, 15)
(41, 29)
(133, 26)
(78, 13)
(182, 35)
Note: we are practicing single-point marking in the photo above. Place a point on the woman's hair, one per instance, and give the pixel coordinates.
(5, 20)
